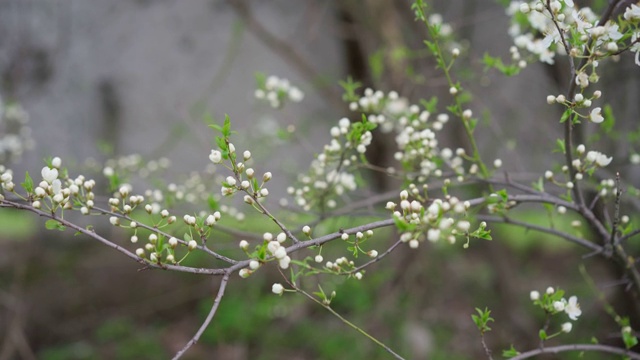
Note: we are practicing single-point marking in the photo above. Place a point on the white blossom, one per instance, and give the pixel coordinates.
(277, 289)
(632, 13)
(596, 115)
(49, 175)
(534, 295)
(215, 156)
(572, 308)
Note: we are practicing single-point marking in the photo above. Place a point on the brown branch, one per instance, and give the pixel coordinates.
(568, 237)
(577, 347)
(93, 234)
(167, 235)
(377, 258)
(207, 321)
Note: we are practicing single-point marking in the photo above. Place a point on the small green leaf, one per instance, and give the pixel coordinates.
(261, 80)
(27, 185)
(226, 128)
(538, 185)
(376, 64)
(542, 334)
(560, 147)
(213, 204)
(403, 226)
(609, 120)
(473, 123)
(350, 88)
(565, 116)
(629, 340)
(431, 105)
(482, 319)
(52, 224)
(511, 352)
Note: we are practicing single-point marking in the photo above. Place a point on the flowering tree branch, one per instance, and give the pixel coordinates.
(447, 194)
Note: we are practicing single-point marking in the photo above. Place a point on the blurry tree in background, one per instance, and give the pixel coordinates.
(475, 199)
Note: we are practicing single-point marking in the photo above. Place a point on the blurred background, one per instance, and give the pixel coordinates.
(103, 79)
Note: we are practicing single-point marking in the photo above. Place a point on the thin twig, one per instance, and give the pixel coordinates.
(207, 321)
(568, 237)
(577, 347)
(92, 234)
(167, 235)
(628, 236)
(335, 235)
(377, 258)
(344, 320)
(616, 213)
(486, 348)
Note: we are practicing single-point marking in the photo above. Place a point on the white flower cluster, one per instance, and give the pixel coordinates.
(274, 247)
(416, 130)
(343, 265)
(418, 152)
(607, 186)
(244, 178)
(329, 176)
(585, 163)
(442, 219)
(280, 253)
(580, 101)
(54, 192)
(6, 180)
(562, 19)
(554, 302)
(276, 90)
(15, 135)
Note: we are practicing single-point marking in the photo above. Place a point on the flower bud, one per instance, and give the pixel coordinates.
(192, 245)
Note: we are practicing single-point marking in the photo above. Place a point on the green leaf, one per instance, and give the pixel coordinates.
(403, 226)
(261, 80)
(511, 352)
(482, 319)
(27, 185)
(376, 64)
(473, 123)
(114, 181)
(213, 204)
(52, 224)
(560, 147)
(482, 234)
(215, 127)
(538, 185)
(226, 128)
(350, 88)
(542, 334)
(496, 63)
(503, 194)
(431, 105)
(609, 120)
(629, 340)
(565, 115)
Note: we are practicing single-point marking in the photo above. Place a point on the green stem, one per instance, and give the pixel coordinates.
(349, 323)
(446, 70)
